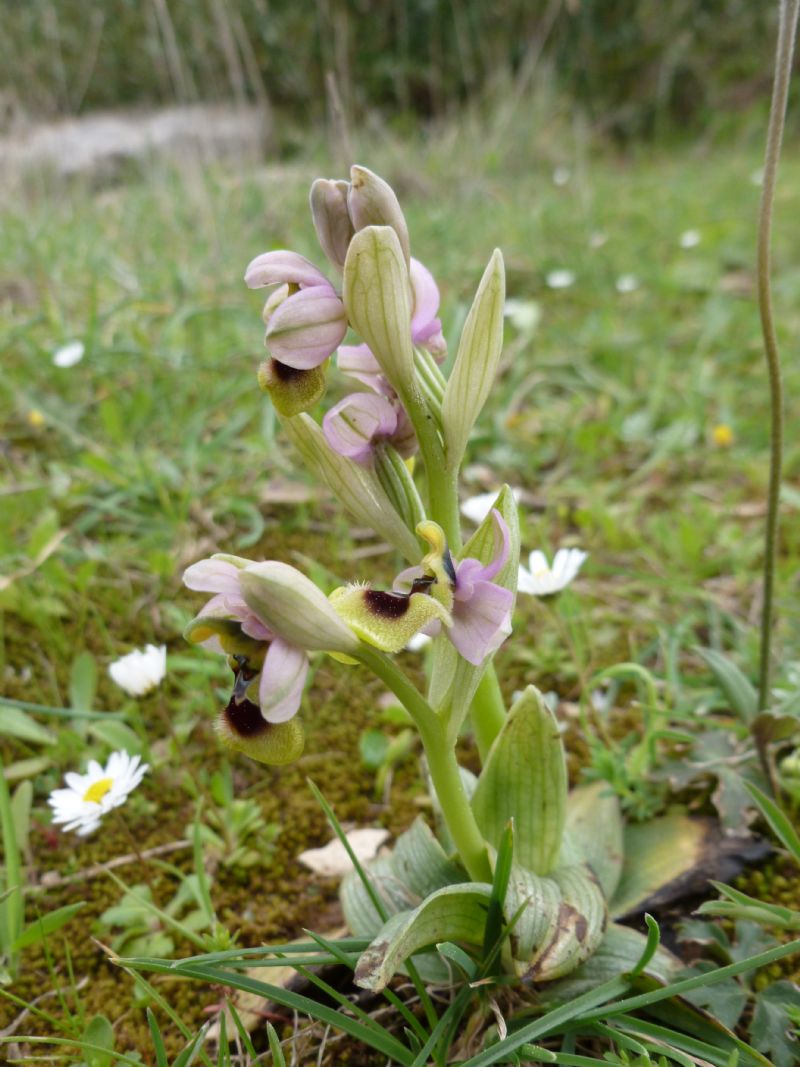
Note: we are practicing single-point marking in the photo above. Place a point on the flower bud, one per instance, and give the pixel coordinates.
(476, 361)
(332, 219)
(376, 295)
(292, 606)
(372, 202)
(356, 487)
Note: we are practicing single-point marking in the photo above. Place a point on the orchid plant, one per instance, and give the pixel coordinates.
(391, 451)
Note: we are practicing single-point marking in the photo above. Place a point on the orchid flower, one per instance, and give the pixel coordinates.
(305, 320)
(475, 611)
(269, 673)
(355, 426)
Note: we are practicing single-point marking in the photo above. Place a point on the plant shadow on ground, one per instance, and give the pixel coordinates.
(157, 449)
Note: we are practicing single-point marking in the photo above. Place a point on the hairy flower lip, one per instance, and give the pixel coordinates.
(245, 718)
(387, 619)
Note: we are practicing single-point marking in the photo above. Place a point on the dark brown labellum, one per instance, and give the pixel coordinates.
(388, 605)
(245, 718)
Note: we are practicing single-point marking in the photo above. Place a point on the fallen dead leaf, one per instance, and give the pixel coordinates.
(332, 859)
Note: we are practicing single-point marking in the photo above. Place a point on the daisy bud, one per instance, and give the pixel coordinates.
(356, 487)
(372, 202)
(291, 605)
(292, 391)
(332, 219)
(376, 295)
(244, 730)
(476, 362)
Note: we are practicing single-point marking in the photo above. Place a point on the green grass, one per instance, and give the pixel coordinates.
(158, 448)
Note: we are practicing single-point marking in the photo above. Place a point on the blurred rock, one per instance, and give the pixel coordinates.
(101, 144)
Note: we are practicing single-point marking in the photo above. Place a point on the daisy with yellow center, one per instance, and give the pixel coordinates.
(88, 797)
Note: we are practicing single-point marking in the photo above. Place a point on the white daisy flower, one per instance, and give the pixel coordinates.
(88, 797)
(141, 670)
(476, 508)
(69, 354)
(627, 283)
(561, 176)
(690, 239)
(523, 315)
(560, 279)
(597, 239)
(540, 579)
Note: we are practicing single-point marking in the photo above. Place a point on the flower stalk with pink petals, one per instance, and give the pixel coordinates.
(391, 451)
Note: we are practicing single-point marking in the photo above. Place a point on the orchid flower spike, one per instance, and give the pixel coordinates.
(269, 673)
(475, 611)
(305, 321)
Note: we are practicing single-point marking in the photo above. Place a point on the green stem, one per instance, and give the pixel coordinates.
(12, 909)
(783, 68)
(442, 482)
(488, 712)
(444, 770)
